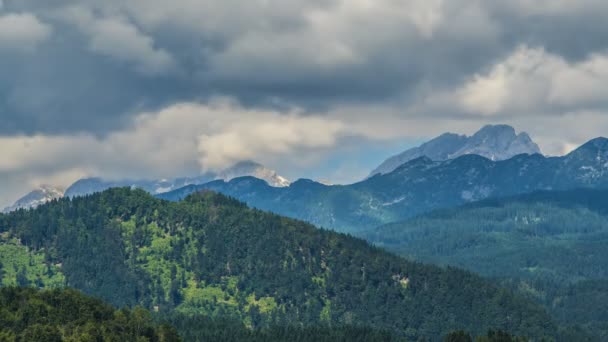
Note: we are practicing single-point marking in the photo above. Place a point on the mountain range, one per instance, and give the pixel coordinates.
(495, 142)
(87, 186)
(418, 186)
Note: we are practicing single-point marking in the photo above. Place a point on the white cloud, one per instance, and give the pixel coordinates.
(256, 135)
(174, 141)
(116, 37)
(22, 31)
(532, 81)
(553, 7)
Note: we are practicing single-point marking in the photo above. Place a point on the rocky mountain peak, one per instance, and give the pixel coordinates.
(253, 169)
(495, 142)
(42, 195)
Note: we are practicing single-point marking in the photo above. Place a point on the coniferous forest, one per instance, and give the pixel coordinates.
(548, 246)
(211, 256)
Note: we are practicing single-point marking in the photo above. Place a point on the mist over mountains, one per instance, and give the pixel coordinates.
(449, 170)
(87, 186)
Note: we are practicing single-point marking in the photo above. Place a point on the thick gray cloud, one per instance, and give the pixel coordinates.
(77, 75)
(107, 61)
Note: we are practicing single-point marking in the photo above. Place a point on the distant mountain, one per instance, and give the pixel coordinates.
(550, 245)
(497, 142)
(212, 256)
(418, 186)
(35, 198)
(89, 186)
(253, 169)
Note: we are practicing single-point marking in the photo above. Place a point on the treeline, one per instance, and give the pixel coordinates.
(31, 315)
(203, 329)
(28, 315)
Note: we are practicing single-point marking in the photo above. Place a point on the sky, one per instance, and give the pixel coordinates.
(322, 89)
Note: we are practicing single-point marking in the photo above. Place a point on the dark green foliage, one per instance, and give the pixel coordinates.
(491, 336)
(195, 329)
(211, 255)
(458, 336)
(500, 336)
(550, 246)
(67, 315)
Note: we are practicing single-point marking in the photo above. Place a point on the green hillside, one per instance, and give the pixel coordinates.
(212, 256)
(550, 246)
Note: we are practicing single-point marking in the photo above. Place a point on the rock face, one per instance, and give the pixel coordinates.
(498, 142)
(419, 186)
(35, 198)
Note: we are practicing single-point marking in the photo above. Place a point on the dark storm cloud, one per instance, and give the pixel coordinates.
(105, 62)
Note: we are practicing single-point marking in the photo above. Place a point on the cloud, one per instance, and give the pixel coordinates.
(532, 80)
(116, 37)
(315, 55)
(181, 139)
(273, 135)
(553, 7)
(22, 31)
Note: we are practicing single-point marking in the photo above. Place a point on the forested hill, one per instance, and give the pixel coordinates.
(550, 245)
(211, 255)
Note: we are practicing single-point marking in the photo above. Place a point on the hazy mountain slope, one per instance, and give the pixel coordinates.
(253, 169)
(211, 255)
(550, 245)
(497, 142)
(419, 186)
(35, 198)
(89, 186)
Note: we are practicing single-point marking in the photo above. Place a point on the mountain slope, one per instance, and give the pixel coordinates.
(211, 255)
(497, 142)
(253, 169)
(549, 245)
(418, 186)
(35, 198)
(89, 186)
